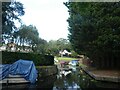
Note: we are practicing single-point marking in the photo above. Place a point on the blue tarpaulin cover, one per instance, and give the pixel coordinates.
(25, 68)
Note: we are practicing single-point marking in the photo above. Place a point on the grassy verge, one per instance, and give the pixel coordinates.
(82, 65)
(65, 58)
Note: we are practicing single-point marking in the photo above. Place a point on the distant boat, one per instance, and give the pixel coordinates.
(73, 68)
(65, 73)
(74, 63)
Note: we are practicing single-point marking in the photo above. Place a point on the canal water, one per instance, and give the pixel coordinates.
(76, 80)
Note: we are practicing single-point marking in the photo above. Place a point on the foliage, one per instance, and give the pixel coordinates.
(41, 46)
(95, 31)
(27, 35)
(54, 46)
(74, 54)
(23, 36)
(11, 12)
(38, 59)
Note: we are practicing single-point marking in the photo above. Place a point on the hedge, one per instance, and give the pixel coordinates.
(38, 59)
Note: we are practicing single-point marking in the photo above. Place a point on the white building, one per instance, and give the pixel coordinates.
(64, 53)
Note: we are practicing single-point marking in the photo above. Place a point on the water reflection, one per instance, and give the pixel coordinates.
(68, 82)
(77, 80)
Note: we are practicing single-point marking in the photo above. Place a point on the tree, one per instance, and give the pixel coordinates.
(94, 31)
(27, 35)
(54, 46)
(11, 11)
(63, 44)
(41, 46)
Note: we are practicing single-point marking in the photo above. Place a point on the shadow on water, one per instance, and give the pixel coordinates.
(47, 82)
(77, 80)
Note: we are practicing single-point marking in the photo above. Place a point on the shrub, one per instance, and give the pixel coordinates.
(38, 59)
(74, 54)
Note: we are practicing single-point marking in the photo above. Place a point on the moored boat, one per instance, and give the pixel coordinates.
(22, 71)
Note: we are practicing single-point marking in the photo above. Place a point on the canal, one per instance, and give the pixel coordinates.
(75, 80)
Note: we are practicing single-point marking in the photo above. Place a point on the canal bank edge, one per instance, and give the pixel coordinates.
(101, 78)
(45, 71)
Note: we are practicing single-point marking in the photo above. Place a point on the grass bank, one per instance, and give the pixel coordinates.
(65, 58)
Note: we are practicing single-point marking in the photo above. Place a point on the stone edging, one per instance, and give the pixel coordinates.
(101, 78)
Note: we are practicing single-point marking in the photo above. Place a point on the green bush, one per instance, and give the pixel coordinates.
(38, 59)
(74, 54)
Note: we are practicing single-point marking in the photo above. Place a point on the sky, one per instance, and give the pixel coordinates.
(49, 17)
